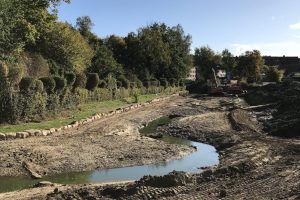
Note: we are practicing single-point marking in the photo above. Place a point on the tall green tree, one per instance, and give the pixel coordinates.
(84, 25)
(250, 65)
(118, 46)
(103, 63)
(228, 61)
(22, 23)
(159, 51)
(67, 48)
(206, 59)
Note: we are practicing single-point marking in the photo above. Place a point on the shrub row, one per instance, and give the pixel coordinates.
(32, 102)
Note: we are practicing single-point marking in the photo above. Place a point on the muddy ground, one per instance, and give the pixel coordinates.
(253, 164)
(107, 143)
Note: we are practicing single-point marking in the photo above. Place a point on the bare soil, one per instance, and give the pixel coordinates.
(107, 143)
(253, 164)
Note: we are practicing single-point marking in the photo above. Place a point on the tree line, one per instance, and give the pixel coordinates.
(47, 65)
(35, 41)
(248, 67)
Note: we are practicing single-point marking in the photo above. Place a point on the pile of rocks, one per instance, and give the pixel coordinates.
(76, 124)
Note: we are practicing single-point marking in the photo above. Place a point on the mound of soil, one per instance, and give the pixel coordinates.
(286, 118)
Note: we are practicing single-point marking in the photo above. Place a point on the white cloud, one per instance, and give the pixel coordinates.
(295, 26)
(288, 48)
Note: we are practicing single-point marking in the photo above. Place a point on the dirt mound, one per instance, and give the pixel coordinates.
(171, 180)
(242, 120)
(286, 118)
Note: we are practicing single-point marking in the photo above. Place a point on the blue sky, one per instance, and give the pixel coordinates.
(271, 26)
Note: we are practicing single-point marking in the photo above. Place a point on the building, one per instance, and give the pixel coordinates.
(193, 74)
(288, 64)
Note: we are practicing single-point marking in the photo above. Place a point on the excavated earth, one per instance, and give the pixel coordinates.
(107, 143)
(253, 164)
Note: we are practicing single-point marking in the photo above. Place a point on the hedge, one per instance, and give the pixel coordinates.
(92, 81)
(33, 105)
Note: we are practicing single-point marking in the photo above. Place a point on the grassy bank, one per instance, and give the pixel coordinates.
(81, 112)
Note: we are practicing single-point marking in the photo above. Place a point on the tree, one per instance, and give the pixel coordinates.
(118, 46)
(228, 61)
(84, 25)
(158, 51)
(155, 52)
(273, 74)
(67, 48)
(181, 60)
(22, 23)
(206, 59)
(250, 65)
(103, 63)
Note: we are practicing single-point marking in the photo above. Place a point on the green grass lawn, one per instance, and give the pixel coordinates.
(81, 112)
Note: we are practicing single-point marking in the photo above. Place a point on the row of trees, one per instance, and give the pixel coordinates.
(249, 66)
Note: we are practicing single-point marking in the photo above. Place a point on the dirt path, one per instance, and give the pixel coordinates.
(252, 164)
(107, 143)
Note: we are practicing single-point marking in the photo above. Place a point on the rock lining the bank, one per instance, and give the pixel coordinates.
(76, 124)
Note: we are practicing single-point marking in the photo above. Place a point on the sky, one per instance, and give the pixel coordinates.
(271, 26)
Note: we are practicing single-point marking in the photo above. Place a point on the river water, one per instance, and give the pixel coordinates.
(205, 156)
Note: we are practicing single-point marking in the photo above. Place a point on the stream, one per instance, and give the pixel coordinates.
(204, 156)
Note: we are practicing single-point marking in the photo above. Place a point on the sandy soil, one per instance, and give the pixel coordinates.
(252, 165)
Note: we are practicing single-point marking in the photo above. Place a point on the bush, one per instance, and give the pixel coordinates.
(123, 93)
(15, 74)
(3, 71)
(92, 81)
(82, 95)
(71, 78)
(80, 81)
(173, 82)
(49, 84)
(27, 84)
(102, 84)
(154, 82)
(133, 85)
(111, 82)
(119, 84)
(139, 83)
(273, 74)
(53, 102)
(60, 83)
(164, 83)
(181, 83)
(35, 64)
(124, 82)
(39, 86)
(101, 94)
(147, 84)
(68, 99)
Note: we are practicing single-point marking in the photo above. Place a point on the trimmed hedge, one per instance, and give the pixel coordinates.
(60, 83)
(92, 81)
(49, 84)
(80, 81)
(27, 84)
(71, 78)
(102, 84)
(35, 104)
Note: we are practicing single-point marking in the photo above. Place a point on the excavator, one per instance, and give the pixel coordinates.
(216, 89)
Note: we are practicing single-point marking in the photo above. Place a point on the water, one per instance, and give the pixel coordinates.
(205, 156)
